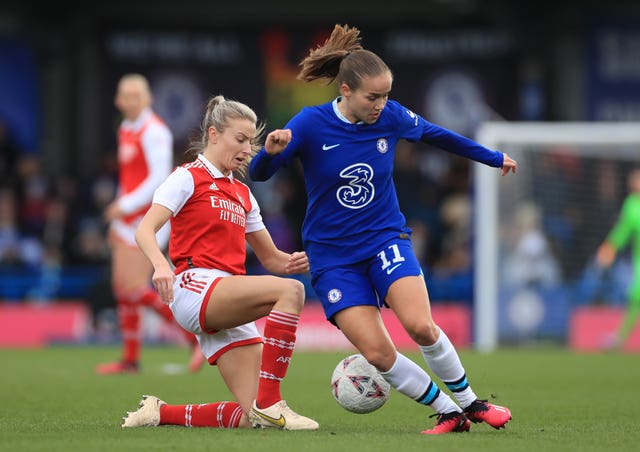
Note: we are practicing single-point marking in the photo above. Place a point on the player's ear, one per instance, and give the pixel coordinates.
(213, 135)
(345, 91)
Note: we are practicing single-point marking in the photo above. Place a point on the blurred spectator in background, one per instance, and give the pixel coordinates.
(529, 262)
(32, 192)
(9, 153)
(455, 219)
(17, 249)
(418, 189)
(450, 275)
(432, 190)
(89, 245)
(284, 97)
(625, 231)
(56, 237)
(145, 156)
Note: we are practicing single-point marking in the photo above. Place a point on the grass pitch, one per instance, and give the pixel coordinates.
(561, 401)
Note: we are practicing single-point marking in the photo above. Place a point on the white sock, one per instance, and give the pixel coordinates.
(444, 361)
(411, 380)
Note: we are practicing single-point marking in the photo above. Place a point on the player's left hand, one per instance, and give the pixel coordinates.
(298, 263)
(509, 164)
(113, 212)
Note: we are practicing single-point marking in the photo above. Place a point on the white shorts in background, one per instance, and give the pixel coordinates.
(191, 292)
(127, 232)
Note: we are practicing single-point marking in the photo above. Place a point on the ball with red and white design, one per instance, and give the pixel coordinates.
(358, 386)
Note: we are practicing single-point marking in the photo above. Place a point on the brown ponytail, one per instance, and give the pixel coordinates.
(342, 58)
(324, 61)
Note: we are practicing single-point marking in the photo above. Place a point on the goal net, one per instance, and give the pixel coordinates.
(536, 232)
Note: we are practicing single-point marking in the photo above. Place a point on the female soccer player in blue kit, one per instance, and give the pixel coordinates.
(357, 240)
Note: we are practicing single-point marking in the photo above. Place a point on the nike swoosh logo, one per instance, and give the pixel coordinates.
(390, 270)
(326, 148)
(280, 422)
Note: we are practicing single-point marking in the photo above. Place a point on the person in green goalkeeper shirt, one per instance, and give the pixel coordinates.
(626, 230)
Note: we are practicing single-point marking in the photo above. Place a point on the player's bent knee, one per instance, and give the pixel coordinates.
(292, 297)
(423, 332)
(297, 291)
(380, 359)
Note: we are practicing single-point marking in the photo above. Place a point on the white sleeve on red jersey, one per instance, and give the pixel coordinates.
(157, 145)
(175, 191)
(254, 219)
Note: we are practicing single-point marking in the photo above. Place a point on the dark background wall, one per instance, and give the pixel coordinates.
(529, 60)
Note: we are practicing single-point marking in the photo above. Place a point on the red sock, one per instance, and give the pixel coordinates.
(279, 341)
(218, 414)
(129, 317)
(152, 299)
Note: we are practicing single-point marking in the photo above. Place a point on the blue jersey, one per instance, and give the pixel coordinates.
(352, 207)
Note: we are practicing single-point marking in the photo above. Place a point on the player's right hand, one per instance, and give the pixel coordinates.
(163, 279)
(277, 141)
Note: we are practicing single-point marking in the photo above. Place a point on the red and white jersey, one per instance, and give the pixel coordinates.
(211, 215)
(145, 159)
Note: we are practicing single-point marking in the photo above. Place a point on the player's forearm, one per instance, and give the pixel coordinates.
(148, 244)
(263, 166)
(140, 197)
(277, 263)
(460, 145)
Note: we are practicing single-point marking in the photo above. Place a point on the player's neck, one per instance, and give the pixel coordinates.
(342, 108)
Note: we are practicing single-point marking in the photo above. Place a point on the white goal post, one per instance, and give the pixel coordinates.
(504, 136)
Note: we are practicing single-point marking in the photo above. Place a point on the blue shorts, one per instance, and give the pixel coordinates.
(366, 282)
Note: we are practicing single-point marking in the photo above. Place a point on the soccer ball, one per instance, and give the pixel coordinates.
(358, 386)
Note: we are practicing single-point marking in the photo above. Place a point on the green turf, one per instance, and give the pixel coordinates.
(51, 400)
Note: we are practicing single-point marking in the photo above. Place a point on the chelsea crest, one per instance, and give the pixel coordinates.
(382, 145)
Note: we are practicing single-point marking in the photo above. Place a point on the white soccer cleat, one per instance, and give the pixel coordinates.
(147, 414)
(280, 416)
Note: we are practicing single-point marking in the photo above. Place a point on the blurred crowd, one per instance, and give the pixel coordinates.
(53, 241)
(50, 227)
(48, 224)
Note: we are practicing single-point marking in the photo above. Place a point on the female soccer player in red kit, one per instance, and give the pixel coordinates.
(213, 216)
(145, 158)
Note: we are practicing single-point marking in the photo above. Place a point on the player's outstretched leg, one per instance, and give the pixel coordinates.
(147, 414)
(153, 412)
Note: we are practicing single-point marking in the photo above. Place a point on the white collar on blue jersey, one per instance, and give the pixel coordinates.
(215, 172)
(340, 115)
